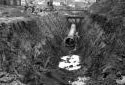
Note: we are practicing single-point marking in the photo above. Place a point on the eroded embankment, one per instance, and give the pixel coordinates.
(101, 46)
(29, 46)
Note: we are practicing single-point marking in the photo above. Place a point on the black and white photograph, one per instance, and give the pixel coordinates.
(62, 42)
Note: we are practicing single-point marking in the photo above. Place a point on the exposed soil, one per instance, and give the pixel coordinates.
(31, 47)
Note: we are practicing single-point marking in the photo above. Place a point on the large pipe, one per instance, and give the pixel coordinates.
(70, 39)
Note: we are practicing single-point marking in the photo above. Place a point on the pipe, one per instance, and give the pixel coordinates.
(70, 39)
(72, 30)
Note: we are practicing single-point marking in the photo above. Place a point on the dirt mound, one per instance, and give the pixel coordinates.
(102, 43)
(31, 46)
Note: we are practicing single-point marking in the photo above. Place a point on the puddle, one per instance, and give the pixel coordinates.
(80, 81)
(70, 62)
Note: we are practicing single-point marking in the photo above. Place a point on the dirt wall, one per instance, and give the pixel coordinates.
(29, 46)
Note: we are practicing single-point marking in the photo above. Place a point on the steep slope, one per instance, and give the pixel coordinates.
(30, 46)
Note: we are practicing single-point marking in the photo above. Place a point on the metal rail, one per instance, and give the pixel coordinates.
(70, 10)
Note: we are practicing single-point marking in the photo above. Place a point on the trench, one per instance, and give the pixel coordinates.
(31, 48)
(34, 46)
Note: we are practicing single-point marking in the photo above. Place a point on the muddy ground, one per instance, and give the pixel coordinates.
(31, 47)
